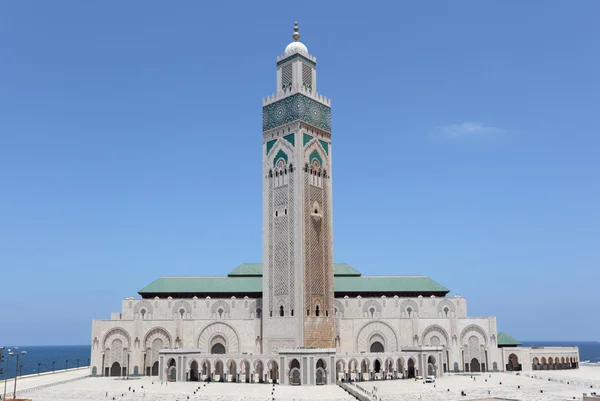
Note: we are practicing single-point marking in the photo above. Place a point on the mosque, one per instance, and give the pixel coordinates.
(299, 318)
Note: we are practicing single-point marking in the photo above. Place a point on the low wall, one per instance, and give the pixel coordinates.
(354, 392)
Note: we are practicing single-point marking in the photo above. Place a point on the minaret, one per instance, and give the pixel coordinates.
(297, 208)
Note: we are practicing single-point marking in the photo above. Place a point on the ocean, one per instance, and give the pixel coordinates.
(57, 357)
(47, 358)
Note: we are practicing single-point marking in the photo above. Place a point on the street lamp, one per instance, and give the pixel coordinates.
(6, 373)
(17, 354)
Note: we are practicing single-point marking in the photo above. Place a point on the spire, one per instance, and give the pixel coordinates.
(296, 34)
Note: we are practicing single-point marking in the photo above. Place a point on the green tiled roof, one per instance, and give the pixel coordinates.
(505, 339)
(344, 270)
(387, 284)
(203, 285)
(255, 270)
(247, 269)
(247, 278)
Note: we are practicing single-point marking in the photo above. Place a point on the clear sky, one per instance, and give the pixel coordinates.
(465, 141)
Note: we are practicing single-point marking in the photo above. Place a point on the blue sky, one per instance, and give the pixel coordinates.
(465, 143)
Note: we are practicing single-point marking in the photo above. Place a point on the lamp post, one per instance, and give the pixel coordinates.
(17, 354)
(6, 372)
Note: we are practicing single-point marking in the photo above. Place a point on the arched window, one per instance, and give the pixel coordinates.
(258, 313)
(220, 312)
(372, 311)
(317, 310)
(281, 310)
(446, 310)
(143, 313)
(409, 311)
(308, 312)
(292, 312)
(181, 312)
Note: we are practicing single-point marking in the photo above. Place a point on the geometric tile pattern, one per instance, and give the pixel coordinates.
(297, 107)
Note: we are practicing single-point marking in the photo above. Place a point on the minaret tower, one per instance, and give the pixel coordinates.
(298, 306)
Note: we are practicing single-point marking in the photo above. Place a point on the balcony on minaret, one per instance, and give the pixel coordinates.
(316, 212)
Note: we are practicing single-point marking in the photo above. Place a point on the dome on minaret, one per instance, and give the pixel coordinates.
(296, 46)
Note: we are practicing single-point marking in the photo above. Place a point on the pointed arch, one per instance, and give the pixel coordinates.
(220, 305)
(182, 305)
(314, 150)
(385, 332)
(446, 308)
(476, 330)
(157, 333)
(409, 308)
(371, 308)
(116, 333)
(224, 330)
(280, 150)
(435, 331)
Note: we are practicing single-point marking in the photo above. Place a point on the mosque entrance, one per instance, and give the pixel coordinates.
(475, 365)
(194, 372)
(431, 371)
(320, 375)
(376, 347)
(115, 369)
(513, 363)
(411, 368)
(295, 373)
(172, 371)
(155, 369)
(377, 366)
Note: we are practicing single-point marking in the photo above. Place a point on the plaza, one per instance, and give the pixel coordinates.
(545, 386)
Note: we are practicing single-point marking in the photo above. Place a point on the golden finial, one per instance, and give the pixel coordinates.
(296, 34)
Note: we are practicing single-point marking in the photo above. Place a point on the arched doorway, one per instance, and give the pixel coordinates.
(273, 371)
(206, 369)
(431, 368)
(155, 369)
(400, 368)
(231, 371)
(194, 371)
(411, 368)
(259, 370)
(321, 377)
(219, 371)
(475, 365)
(218, 348)
(377, 366)
(339, 370)
(115, 369)
(295, 373)
(172, 370)
(245, 367)
(376, 347)
(513, 363)
(364, 370)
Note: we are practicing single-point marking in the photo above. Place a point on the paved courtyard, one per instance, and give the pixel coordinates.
(556, 385)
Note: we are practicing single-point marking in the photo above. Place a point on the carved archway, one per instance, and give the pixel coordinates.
(218, 329)
(376, 327)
